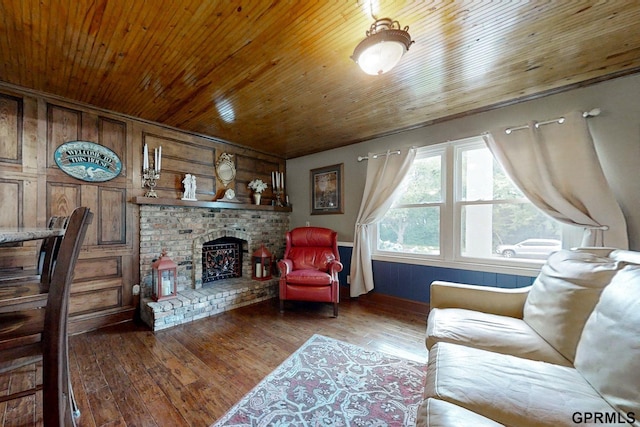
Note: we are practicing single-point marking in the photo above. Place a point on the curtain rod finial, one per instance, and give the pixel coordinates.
(591, 113)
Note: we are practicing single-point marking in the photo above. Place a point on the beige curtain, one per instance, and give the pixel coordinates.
(556, 166)
(384, 176)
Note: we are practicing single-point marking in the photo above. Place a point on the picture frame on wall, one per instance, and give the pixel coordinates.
(327, 190)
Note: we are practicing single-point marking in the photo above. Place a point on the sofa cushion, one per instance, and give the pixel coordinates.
(491, 332)
(438, 413)
(508, 389)
(564, 294)
(632, 257)
(608, 353)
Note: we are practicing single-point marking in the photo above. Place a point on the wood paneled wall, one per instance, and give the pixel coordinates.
(33, 188)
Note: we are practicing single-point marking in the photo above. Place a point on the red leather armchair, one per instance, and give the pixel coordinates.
(310, 267)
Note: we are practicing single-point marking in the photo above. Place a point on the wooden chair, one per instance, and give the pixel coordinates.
(32, 285)
(33, 326)
(44, 260)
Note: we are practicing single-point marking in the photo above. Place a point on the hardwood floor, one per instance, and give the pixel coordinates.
(190, 375)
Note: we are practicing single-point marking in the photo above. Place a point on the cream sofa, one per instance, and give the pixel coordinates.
(564, 351)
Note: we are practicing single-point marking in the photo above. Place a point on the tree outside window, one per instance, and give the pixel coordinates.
(486, 211)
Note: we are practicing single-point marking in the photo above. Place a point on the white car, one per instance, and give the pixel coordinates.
(530, 248)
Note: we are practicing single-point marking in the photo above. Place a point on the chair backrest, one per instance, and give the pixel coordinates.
(312, 248)
(64, 265)
(49, 251)
(54, 335)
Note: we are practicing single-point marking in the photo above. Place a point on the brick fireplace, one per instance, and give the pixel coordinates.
(183, 231)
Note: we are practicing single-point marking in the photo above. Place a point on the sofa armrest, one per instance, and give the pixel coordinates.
(487, 299)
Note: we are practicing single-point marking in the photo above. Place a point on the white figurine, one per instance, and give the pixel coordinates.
(189, 182)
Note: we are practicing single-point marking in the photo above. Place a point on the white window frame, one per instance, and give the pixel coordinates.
(450, 255)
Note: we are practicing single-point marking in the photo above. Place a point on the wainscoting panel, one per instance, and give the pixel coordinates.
(98, 268)
(413, 282)
(96, 299)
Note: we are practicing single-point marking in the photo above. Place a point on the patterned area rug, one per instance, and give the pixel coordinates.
(327, 382)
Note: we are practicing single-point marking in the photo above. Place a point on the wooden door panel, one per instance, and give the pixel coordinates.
(10, 129)
(112, 216)
(63, 125)
(11, 214)
(62, 199)
(113, 135)
(102, 268)
(96, 300)
(180, 157)
(179, 149)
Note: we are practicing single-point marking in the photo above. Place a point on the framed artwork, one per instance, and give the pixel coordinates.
(327, 190)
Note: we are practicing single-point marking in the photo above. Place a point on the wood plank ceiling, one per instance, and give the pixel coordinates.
(277, 75)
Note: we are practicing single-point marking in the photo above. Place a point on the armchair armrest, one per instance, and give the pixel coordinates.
(285, 266)
(487, 299)
(335, 267)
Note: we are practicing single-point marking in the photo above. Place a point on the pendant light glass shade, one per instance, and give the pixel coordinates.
(383, 48)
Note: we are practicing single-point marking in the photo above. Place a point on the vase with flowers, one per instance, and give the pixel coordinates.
(258, 186)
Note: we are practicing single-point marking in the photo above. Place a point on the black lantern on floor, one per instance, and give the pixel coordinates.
(261, 264)
(164, 277)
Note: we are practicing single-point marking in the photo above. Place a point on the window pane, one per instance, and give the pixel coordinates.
(414, 230)
(424, 182)
(483, 177)
(508, 230)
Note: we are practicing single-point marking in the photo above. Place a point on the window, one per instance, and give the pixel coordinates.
(458, 205)
(413, 224)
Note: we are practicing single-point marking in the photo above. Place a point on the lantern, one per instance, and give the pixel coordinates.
(164, 277)
(261, 264)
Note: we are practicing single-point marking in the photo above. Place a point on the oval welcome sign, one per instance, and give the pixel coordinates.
(87, 161)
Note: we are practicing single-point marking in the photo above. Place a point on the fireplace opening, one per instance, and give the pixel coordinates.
(221, 259)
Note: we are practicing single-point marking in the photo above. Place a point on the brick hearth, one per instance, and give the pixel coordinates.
(182, 230)
(194, 304)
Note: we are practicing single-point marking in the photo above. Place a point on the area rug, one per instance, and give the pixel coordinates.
(327, 382)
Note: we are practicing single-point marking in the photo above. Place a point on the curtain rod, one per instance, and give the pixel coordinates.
(375, 156)
(591, 113)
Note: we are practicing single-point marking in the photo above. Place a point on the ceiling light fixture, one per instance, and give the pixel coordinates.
(385, 44)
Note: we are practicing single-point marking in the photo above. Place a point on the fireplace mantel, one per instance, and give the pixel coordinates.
(203, 204)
